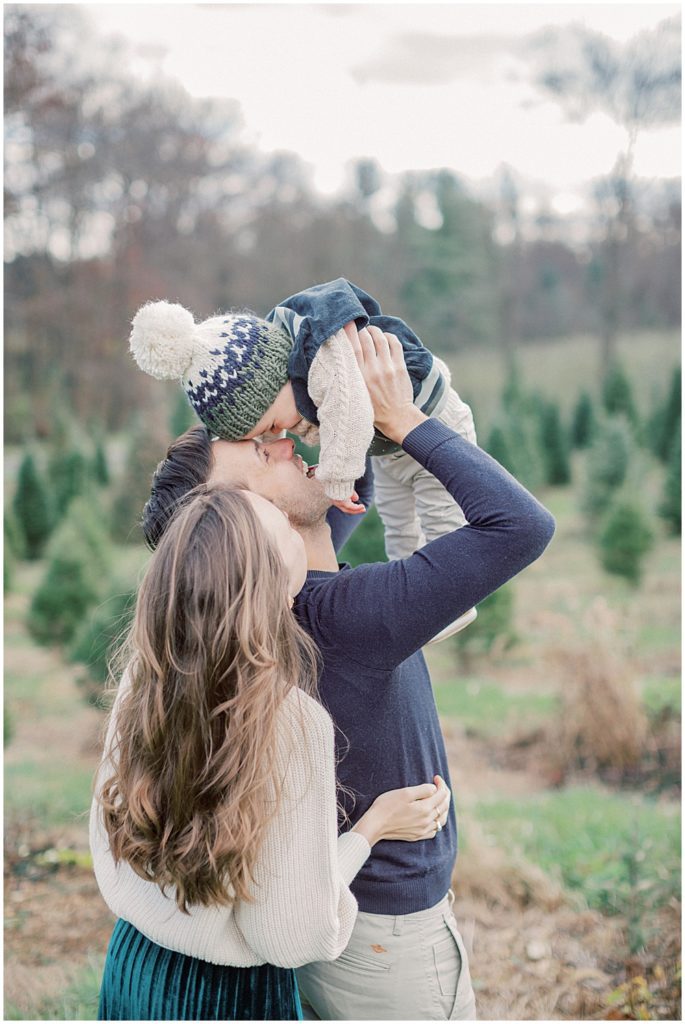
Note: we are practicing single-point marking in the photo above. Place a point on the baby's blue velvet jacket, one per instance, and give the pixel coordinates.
(312, 316)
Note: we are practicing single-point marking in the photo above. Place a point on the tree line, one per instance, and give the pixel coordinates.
(118, 191)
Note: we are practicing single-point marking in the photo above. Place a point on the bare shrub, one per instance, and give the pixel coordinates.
(602, 724)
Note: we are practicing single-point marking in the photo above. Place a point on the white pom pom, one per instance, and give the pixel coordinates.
(163, 340)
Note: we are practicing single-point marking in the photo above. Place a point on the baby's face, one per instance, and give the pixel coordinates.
(281, 415)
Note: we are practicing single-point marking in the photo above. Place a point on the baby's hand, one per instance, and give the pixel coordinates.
(350, 505)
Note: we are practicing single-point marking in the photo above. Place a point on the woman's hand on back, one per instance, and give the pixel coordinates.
(407, 814)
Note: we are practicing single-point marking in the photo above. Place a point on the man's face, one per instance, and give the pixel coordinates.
(274, 471)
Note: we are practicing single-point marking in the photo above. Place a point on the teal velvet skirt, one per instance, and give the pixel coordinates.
(144, 981)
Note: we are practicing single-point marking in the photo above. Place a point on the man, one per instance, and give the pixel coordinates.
(406, 959)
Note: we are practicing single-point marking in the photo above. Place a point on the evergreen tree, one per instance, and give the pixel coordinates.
(75, 576)
(13, 549)
(513, 397)
(513, 443)
(498, 447)
(514, 438)
(670, 507)
(146, 447)
(554, 446)
(625, 538)
(32, 508)
(583, 424)
(100, 468)
(667, 421)
(8, 567)
(448, 269)
(493, 629)
(607, 464)
(617, 394)
(13, 535)
(95, 639)
(68, 473)
(93, 522)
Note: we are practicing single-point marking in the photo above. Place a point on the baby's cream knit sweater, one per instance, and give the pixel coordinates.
(303, 910)
(337, 388)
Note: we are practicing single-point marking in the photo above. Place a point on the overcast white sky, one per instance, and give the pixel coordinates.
(413, 86)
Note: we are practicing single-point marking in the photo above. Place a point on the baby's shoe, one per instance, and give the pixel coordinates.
(455, 627)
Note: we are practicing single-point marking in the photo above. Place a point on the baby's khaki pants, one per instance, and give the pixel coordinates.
(415, 508)
(411, 967)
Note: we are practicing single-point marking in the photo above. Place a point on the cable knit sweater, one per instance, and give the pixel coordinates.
(303, 910)
(345, 416)
(329, 389)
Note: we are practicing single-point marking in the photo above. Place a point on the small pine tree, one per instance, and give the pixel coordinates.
(667, 421)
(499, 448)
(32, 508)
(68, 473)
(13, 549)
(493, 629)
(65, 594)
(607, 464)
(8, 567)
(96, 637)
(146, 448)
(513, 441)
(625, 539)
(14, 539)
(617, 395)
(513, 397)
(522, 439)
(93, 523)
(554, 446)
(670, 507)
(76, 574)
(99, 466)
(583, 424)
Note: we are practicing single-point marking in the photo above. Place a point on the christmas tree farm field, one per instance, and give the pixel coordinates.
(531, 903)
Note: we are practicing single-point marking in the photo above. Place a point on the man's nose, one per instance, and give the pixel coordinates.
(284, 448)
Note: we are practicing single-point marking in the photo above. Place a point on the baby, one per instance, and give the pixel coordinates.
(295, 370)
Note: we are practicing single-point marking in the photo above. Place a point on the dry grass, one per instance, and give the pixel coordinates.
(602, 724)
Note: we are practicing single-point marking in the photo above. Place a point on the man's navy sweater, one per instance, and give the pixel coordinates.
(370, 624)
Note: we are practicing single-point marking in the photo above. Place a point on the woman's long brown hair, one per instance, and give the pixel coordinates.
(212, 652)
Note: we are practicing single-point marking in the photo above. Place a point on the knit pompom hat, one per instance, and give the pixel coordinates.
(231, 366)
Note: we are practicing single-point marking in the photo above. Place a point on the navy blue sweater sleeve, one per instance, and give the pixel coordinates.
(386, 611)
(343, 524)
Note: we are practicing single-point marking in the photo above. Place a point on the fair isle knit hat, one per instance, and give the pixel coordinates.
(231, 366)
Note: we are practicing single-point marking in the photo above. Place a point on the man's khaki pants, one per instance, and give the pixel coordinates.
(413, 967)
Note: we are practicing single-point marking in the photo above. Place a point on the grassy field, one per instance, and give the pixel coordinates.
(608, 848)
(78, 1001)
(560, 368)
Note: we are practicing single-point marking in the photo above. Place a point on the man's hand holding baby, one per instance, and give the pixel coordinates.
(380, 357)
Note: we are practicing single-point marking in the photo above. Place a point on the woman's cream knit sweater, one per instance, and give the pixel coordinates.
(303, 909)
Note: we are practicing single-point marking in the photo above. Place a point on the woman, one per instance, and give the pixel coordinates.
(218, 782)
